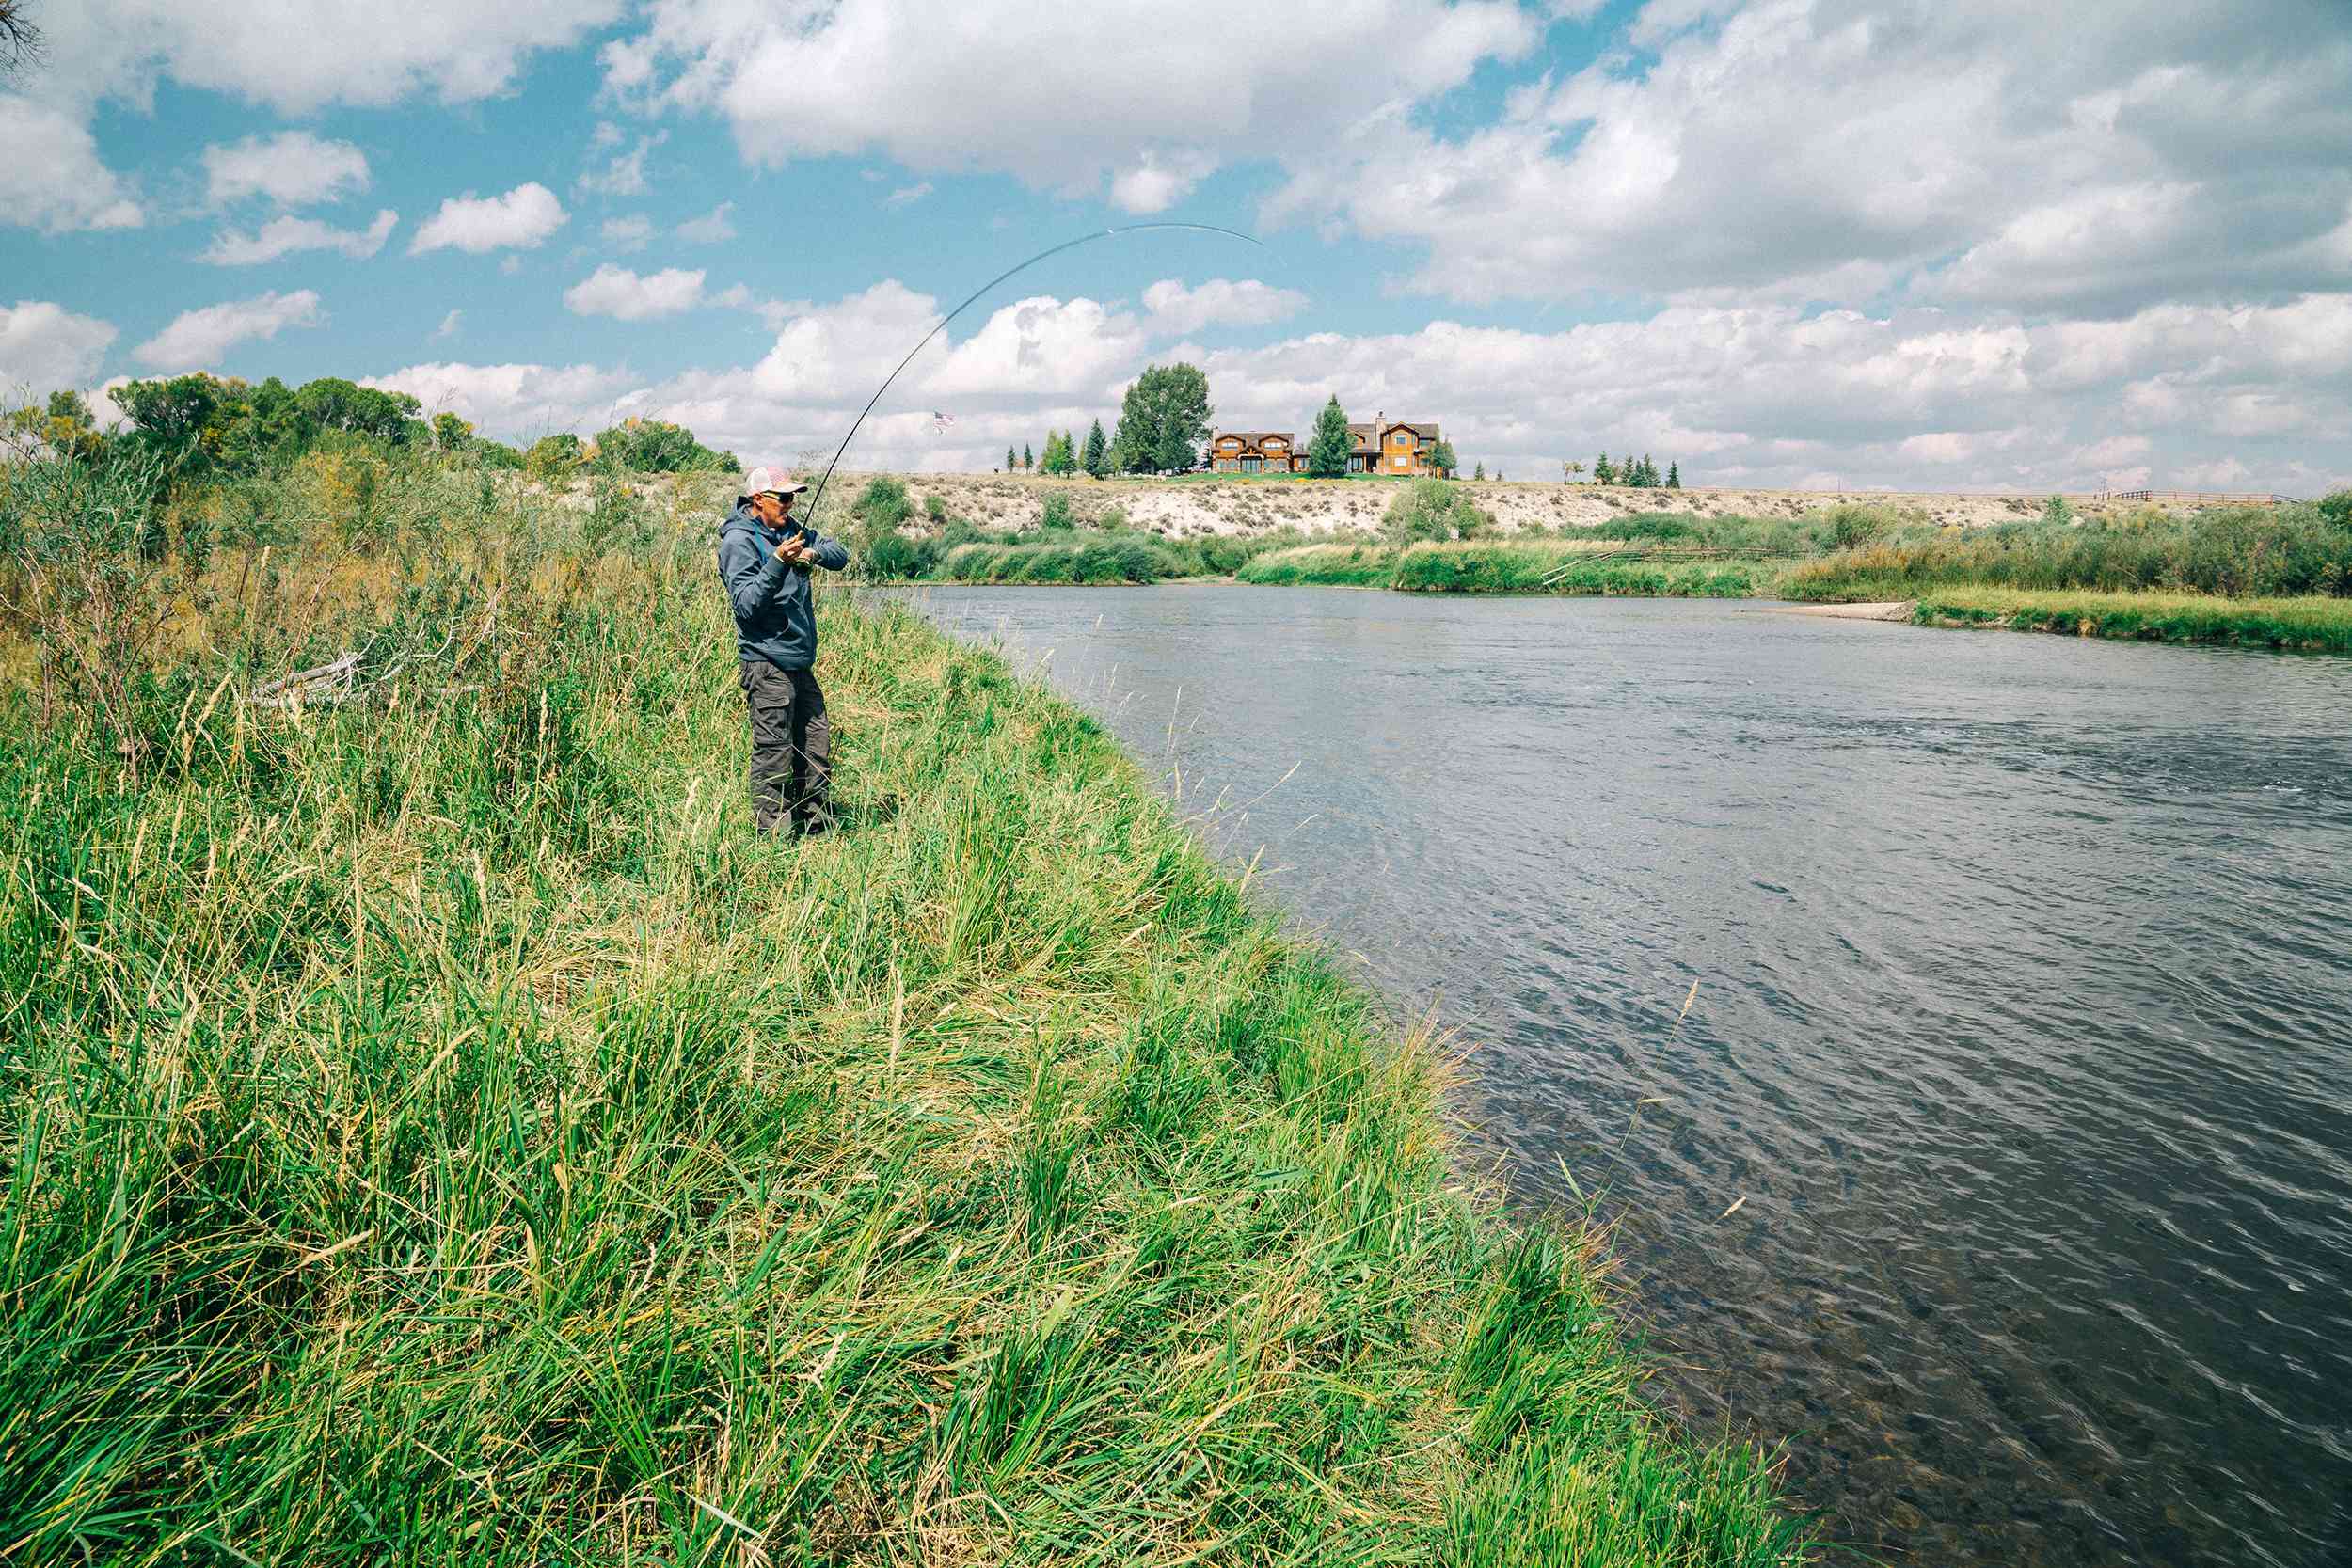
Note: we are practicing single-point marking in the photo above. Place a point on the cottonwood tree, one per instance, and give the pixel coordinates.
(1164, 416)
(1441, 458)
(20, 40)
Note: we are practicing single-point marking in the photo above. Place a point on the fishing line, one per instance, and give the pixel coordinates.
(1066, 245)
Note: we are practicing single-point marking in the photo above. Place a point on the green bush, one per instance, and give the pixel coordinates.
(1431, 509)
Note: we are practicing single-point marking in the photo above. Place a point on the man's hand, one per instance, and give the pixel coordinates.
(794, 549)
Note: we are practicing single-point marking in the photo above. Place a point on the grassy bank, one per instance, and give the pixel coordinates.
(435, 1131)
(1508, 566)
(2311, 623)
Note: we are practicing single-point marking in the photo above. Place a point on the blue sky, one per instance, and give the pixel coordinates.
(1778, 240)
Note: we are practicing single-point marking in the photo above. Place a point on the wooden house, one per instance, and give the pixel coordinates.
(1255, 451)
(1388, 446)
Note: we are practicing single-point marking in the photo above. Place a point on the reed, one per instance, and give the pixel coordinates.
(436, 1130)
(2307, 624)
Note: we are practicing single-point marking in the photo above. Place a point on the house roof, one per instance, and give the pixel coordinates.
(1423, 430)
(1255, 437)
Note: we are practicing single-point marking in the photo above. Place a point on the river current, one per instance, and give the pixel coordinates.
(1957, 1028)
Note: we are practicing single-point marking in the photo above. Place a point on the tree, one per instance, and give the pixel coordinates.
(1431, 509)
(1164, 416)
(1327, 452)
(64, 426)
(1674, 475)
(1602, 472)
(20, 40)
(451, 433)
(1098, 455)
(1012, 460)
(1121, 456)
(1480, 472)
(1441, 458)
(1569, 471)
(1028, 459)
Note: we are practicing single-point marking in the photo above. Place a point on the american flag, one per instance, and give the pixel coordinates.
(941, 422)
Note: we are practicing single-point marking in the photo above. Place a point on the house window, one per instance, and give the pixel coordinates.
(1250, 465)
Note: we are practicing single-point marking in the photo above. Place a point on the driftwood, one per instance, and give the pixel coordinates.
(325, 686)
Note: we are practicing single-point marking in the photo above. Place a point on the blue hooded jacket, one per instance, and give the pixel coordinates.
(774, 618)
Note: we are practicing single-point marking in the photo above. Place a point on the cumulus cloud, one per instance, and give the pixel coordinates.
(52, 177)
(196, 339)
(292, 168)
(44, 345)
(2112, 162)
(1219, 302)
(616, 291)
(515, 401)
(455, 50)
(521, 219)
(284, 235)
(970, 89)
(715, 226)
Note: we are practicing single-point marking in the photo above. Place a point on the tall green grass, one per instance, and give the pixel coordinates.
(435, 1130)
(2311, 623)
(1555, 566)
(1339, 566)
(2239, 552)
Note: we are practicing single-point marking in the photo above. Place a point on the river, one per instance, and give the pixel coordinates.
(1957, 1027)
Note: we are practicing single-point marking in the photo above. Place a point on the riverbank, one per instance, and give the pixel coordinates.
(437, 1129)
(2307, 624)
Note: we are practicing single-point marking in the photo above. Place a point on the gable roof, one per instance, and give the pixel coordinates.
(1364, 435)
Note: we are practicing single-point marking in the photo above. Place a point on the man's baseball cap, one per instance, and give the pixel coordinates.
(770, 481)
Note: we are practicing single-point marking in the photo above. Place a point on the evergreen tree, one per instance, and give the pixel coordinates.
(1098, 459)
(1602, 472)
(1122, 459)
(1326, 454)
(1480, 472)
(1650, 473)
(1012, 460)
(1027, 460)
(1674, 475)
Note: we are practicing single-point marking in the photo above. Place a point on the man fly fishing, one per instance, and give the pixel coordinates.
(765, 558)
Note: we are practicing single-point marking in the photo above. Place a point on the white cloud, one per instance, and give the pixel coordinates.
(1157, 181)
(284, 235)
(299, 59)
(450, 324)
(1220, 301)
(616, 291)
(625, 174)
(522, 219)
(2100, 159)
(969, 88)
(43, 346)
(715, 226)
(292, 168)
(633, 232)
(196, 339)
(907, 196)
(511, 401)
(51, 176)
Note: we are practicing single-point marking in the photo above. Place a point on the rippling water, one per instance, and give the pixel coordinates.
(2021, 1033)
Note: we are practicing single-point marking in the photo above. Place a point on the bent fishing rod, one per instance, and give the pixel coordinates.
(1083, 239)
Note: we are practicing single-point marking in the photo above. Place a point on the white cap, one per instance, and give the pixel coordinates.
(765, 480)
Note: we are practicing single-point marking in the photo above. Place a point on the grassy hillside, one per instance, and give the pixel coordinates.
(435, 1131)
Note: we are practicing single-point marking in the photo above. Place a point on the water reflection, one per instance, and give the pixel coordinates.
(2019, 1037)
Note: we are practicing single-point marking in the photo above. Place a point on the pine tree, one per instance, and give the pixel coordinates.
(1122, 460)
(1479, 472)
(1027, 460)
(1326, 454)
(1674, 475)
(1602, 472)
(1098, 461)
(1012, 460)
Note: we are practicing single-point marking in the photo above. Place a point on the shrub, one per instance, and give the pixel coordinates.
(1430, 509)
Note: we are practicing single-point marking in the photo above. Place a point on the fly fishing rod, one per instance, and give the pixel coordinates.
(1083, 239)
